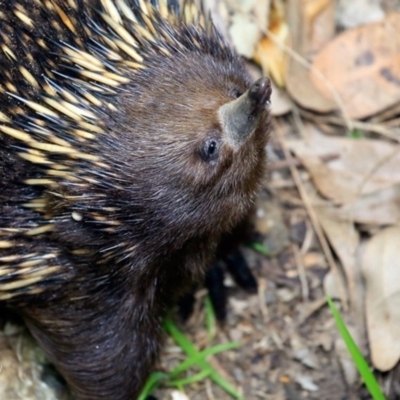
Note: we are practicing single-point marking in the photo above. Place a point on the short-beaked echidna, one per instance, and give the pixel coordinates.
(131, 138)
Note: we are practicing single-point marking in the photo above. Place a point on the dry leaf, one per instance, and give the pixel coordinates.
(345, 240)
(357, 12)
(378, 208)
(319, 22)
(248, 20)
(363, 66)
(346, 362)
(335, 185)
(245, 34)
(314, 8)
(364, 166)
(381, 271)
(261, 11)
(298, 82)
(333, 287)
(280, 101)
(270, 53)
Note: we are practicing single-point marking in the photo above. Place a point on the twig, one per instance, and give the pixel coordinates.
(364, 126)
(313, 217)
(209, 391)
(313, 308)
(281, 164)
(305, 292)
(262, 286)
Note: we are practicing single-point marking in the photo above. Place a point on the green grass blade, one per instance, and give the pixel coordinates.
(179, 337)
(191, 351)
(191, 379)
(356, 134)
(210, 319)
(260, 248)
(359, 360)
(152, 382)
(183, 366)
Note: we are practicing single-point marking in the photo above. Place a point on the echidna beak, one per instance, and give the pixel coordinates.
(240, 117)
(260, 92)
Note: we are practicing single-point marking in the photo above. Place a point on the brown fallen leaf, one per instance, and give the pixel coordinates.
(357, 12)
(269, 53)
(320, 23)
(363, 66)
(347, 365)
(280, 102)
(381, 270)
(298, 81)
(336, 185)
(378, 208)
(365, 166)
(244, 33)
(345, 240)
(247, 21)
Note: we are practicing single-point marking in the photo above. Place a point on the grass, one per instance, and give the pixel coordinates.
(356, 134)
(260, 248)
(180, 376)
(360, 362)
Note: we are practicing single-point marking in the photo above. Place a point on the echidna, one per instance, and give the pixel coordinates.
(131, 138)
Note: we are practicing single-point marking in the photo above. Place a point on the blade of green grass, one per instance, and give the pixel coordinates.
(191, 379)
(157, 377)
(356, 134)
(359, 360)
(191, 351)
(151, 384)
(183, 366)
(210, 318)
(260, 248)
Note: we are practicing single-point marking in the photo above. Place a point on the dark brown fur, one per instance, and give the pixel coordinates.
(152, 210)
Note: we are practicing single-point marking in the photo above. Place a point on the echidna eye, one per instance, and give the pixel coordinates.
(237, 93)
(210, 150)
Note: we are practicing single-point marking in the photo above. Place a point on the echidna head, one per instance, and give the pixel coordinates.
(136, 124)
(192, 135)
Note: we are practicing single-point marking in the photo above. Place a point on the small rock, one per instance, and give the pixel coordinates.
(306, 383)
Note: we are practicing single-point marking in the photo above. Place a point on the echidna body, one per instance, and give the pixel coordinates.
(131, 138)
